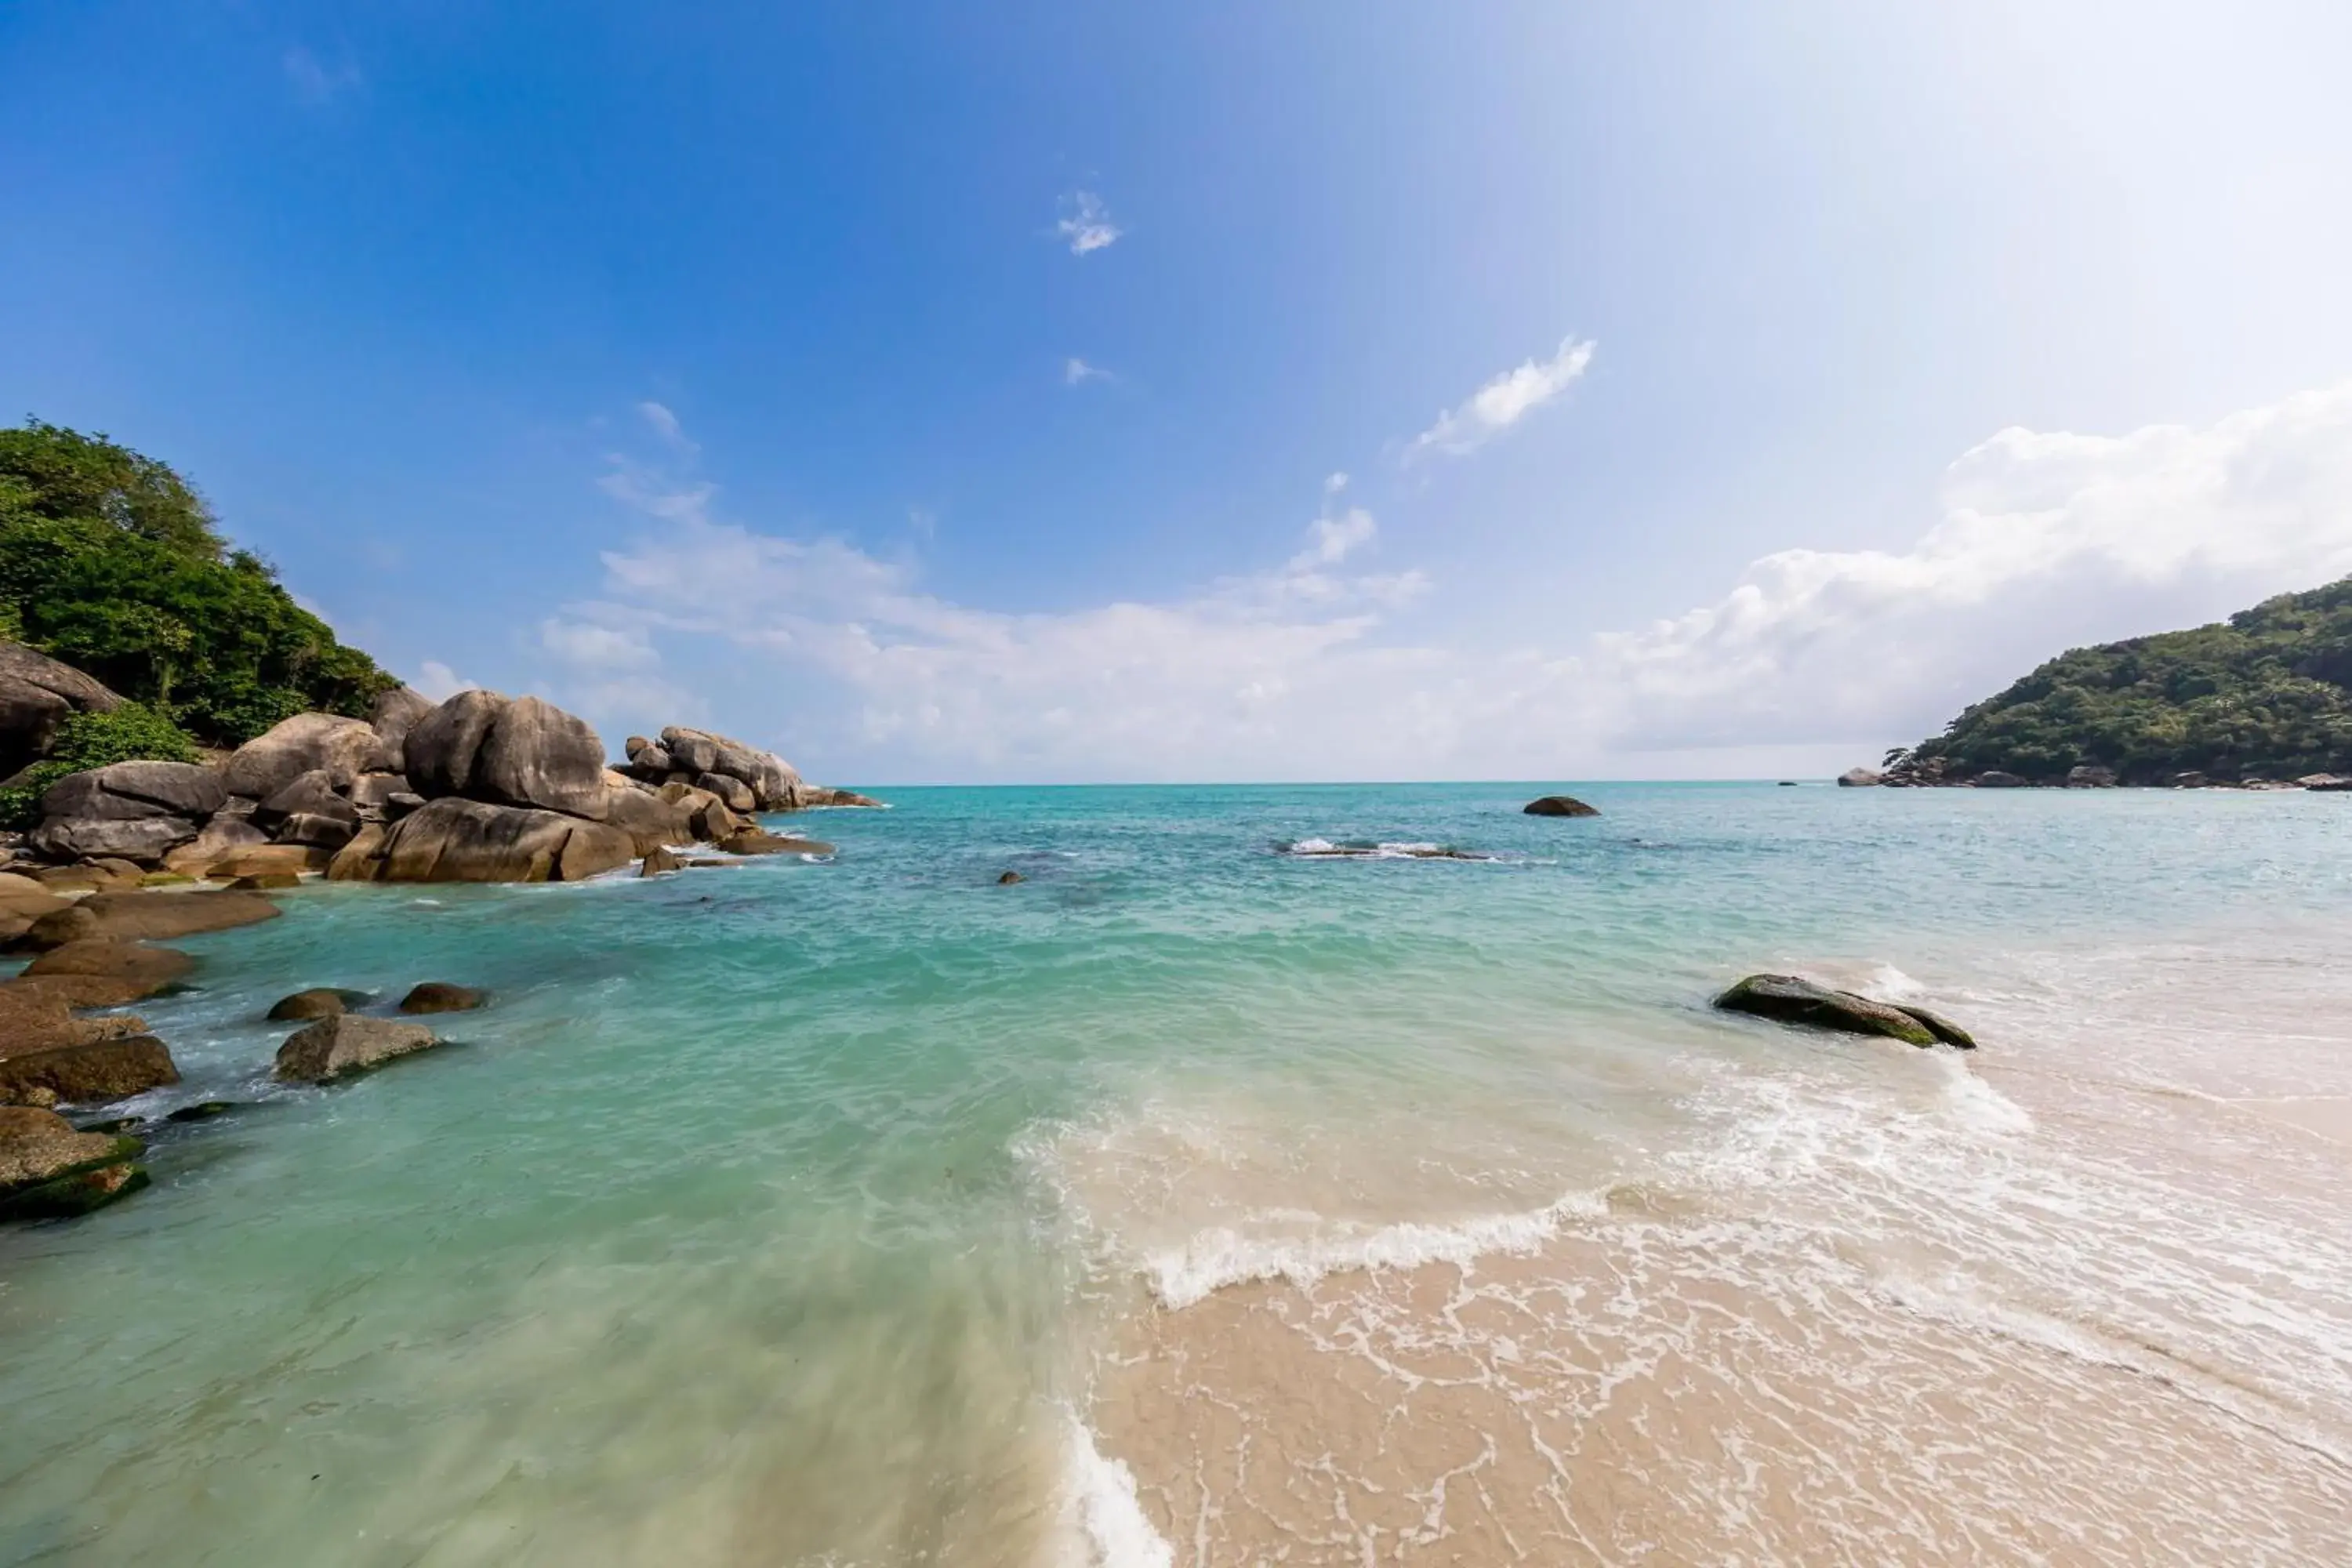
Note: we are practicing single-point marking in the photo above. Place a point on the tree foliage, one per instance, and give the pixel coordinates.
(2265, 694)
(132, 733)
(112, 562)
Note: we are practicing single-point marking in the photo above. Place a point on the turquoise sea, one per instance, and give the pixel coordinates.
(1195, 1200)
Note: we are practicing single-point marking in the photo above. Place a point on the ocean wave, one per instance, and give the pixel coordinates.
(1099, 1502)
(1212, 1259)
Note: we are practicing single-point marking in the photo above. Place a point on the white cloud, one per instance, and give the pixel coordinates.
(1502, 403)
(1076, 372)
(664, 424)
(1813, 658)
(2045, 542)
(588, 645)
(1086, 224)
(316, 84)
(440, 682)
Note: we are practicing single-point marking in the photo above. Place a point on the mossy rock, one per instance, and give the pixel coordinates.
(1792, 999)
(70, 1197)
(203, 1110)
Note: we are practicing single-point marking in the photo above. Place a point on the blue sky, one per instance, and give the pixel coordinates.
(958, 393)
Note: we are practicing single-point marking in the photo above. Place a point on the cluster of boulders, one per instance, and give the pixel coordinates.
(480, 789)
(51, 1169)
(1933, 773)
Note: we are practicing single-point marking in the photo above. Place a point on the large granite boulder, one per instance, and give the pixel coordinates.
(773, 784)
(650, 821)
(142, 917)
(818, 795)
(36, 1017)
(707, 818)
(1860, 778)
(132, 966)
(752, 841)
(344, 748)
(395, 714)
(311, 793)
(345, 1044)
(1994, 778)
(36, 694)
(457, 840)
(128, 791)
(2090, 776)
(525, 751)
(1792, 999)
(733, 791)
(223, 837)
(90, 1070)
(144, 840)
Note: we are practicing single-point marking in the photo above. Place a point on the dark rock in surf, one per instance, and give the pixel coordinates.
(1558, 806)
(440, 996)
(1860, 778)
(1791, 999)
(320, 1002)
(1010, 878)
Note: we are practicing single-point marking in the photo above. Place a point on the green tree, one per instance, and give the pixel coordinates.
(113, 564)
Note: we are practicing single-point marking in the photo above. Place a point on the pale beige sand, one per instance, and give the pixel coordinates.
(1596, 1404)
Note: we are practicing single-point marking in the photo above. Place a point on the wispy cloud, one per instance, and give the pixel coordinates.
(666, 426)
(315, 83)
(1076, 372)
(1303, 668)
(440, 682)
(1502, 403)
(1086, 224)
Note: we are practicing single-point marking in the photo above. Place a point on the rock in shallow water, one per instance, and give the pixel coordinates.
(1558, 806)
(332, 1047)
(1792, 999)
(319, 1001)
(440, 996)
(91, 1071)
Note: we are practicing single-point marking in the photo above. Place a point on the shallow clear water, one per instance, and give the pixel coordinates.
(840, 1211)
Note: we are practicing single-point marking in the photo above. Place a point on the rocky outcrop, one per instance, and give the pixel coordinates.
(2089, 776)
(343, 748)
(1791, 999)
(657, 862)
(334, 1048)
(1558, 806)
(440, 996)
(1996, 779)
(141, 917)
(702, 758)
(1860, 778)
(36, 694)
(223, 838)
(89, 1071)
(455, 840)
(817, 794)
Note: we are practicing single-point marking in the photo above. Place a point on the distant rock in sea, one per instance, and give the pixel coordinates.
(1558, 806)
(1792, 999)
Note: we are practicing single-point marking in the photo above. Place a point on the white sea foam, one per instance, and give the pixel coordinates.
(1976, 1104)
(1385, 849)
(1100, 1503)
(1220, 1255)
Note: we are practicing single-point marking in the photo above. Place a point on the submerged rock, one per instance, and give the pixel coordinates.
(1558, 806)
(1010, 878)
(71, 1197)
(440, 996)
(332, 1047)
(1791, 999)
